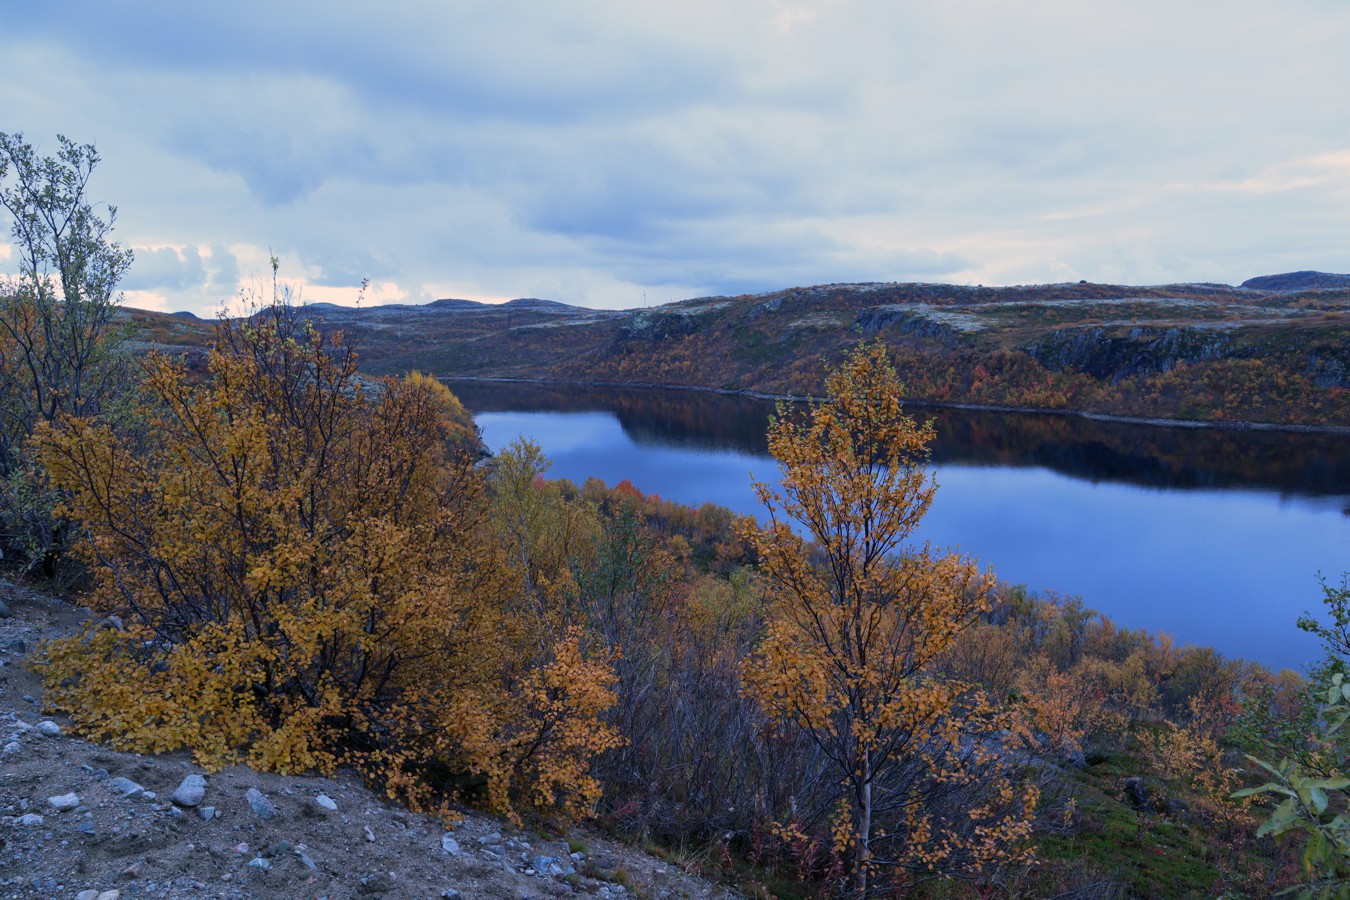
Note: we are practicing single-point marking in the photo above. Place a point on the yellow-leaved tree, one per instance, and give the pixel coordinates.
(294, 566)
(858, 618)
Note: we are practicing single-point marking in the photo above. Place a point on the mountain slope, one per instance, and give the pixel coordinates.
(1206, 352)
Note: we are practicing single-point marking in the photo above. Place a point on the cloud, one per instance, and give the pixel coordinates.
(166, 267)
(594, 151)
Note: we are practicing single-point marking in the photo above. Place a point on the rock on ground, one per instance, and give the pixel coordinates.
(120, 841)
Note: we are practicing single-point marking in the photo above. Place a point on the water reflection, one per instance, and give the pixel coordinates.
(1215, 537)
(1291, 463)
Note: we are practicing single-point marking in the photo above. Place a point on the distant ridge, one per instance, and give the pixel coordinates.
(452, 303)
(1291, 282)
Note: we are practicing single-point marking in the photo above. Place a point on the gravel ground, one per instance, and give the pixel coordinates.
(83, 822)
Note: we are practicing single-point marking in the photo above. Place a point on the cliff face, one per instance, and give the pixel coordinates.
(1114, 354)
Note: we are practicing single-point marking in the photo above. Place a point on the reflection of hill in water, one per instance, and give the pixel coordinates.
(1178, 458)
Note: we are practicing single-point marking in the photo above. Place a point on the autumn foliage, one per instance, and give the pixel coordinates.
(858, 619)
(300, 568)
(294, 567)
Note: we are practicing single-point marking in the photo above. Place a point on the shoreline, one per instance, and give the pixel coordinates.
(1337, 430)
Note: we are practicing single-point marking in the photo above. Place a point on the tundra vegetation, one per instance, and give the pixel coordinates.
(294, 565)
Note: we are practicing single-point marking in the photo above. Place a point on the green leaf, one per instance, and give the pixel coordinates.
(1329, 784)
(1270, 787)
(1281, 820)
(1315, 853)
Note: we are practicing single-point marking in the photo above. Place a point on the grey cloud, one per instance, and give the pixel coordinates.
(165, 269)
(224, 269)
(604, 146)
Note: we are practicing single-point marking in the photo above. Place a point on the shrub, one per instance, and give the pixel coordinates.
(303, 575)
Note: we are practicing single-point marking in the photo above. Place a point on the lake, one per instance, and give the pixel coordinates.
(1214, 536)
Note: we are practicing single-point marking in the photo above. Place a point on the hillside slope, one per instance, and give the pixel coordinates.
(1278, 354)
(81, 820)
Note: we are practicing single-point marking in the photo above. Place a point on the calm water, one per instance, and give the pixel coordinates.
(1215, 537)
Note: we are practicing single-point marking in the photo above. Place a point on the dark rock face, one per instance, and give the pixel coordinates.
(1140, 351)
(652, 325)
(1329, 369)
(1291, 282)
(906, 321)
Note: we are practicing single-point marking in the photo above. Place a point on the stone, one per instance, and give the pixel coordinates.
(326, 802)
(85, 827)
(4, 610)
(240, 848)
(370, 835)
(308, 863)
(28, 820)
(449, 844)
(125, 787)
(48, 728)
(207, 813)
(379, 883)
(13, 747)
(87, 895)
(190, 791)
(109, 895)
(259, 862)
(64, 802)
(261, 806)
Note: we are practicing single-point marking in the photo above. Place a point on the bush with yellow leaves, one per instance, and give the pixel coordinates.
(299, 573)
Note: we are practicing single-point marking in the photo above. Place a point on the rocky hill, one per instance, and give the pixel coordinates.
(1275, 350)
(1292, 282)
(78, 820)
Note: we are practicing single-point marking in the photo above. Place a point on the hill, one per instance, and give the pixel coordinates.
(1275, 354)
(1291, 282)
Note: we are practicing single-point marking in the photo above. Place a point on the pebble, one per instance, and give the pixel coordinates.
(12, 747)
(308, 863)
(326, 802)
(261, 806)
(125, 787)
(207, 813)
(190, 792)
(48, 727)
(64, 802)
(241, 848)
(449, 844)
(28, 820)
(259, 862)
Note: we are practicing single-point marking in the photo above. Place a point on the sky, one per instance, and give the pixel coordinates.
(617, 154)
